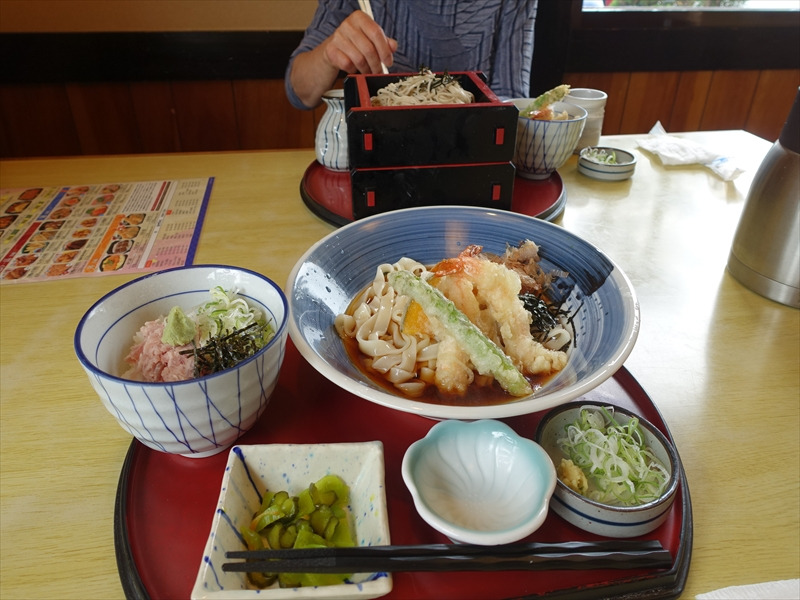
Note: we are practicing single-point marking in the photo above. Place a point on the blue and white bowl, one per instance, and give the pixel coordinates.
(542, 147)
(292, 467)
(327, 278)
(197, 417)
(620, 170)
(479, 482)
(596, 517)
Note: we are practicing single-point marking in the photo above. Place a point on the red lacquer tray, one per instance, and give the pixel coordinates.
(165, 503)
(328, 195)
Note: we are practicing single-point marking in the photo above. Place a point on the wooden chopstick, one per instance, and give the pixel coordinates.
(366, 6)
(607, 554)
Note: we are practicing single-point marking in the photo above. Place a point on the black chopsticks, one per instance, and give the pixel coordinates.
(606, 554)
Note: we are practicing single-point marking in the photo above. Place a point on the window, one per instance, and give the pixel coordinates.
(682, 35)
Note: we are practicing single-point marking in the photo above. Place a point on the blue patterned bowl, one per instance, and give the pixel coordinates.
(479, 482)
(544, 146)
(331, 273)
(198, 417)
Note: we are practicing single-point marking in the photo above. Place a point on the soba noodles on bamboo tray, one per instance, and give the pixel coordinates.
(424, 88)
(473, 327)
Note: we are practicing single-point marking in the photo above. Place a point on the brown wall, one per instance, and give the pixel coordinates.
(27, 16)
(199, 116)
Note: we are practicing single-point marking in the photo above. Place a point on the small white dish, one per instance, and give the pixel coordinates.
(620, 170)
(479, 482)
(251, 470)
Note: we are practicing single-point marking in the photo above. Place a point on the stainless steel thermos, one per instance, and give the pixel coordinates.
(765, 255)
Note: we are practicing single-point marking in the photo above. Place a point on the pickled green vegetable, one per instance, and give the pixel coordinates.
(317, 517)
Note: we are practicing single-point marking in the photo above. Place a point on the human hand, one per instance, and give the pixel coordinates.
(359, 45)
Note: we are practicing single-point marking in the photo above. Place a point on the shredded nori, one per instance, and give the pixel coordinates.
(545, 316)
(224, 352)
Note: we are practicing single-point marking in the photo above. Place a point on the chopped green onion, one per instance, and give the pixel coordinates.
(614, 457)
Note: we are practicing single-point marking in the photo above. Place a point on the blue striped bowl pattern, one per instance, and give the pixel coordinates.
(330, 140)
(595, 517)
(542, 147)
(252, 469)
(333, 271)
(198, 417)
(623, 169)
(479, 482)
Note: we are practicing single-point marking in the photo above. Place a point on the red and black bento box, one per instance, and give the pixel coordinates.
(423, 155)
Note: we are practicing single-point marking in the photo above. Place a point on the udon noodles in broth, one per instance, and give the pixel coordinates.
(473, 329)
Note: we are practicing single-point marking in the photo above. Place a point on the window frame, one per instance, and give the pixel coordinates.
(612, 40)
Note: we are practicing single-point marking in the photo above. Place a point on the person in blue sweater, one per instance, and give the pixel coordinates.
(492, 36)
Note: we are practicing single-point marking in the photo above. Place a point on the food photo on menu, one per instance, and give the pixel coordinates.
(87, 230)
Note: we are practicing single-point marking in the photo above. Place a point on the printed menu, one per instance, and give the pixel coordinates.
(87, 230)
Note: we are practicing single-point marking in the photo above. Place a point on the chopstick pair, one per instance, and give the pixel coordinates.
(607, 554)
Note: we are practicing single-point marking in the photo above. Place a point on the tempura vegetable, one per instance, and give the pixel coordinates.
(557, 94)
(485, 355)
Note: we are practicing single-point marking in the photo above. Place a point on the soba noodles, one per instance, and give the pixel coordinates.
(425, 88)
(399, 338)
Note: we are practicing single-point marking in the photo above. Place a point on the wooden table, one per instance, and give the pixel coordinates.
(720, 362)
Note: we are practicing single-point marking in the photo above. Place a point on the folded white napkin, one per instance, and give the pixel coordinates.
(674, 150)
(788, 589)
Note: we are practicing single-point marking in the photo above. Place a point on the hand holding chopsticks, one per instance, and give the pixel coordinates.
(610, 554)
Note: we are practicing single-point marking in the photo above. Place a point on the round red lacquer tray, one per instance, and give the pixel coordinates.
(328, 195)
(165, 503)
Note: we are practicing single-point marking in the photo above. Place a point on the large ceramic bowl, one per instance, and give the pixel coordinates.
(602, 518)
(331, 273)
(251, 470)
(196, 417)
(479, 482)
(542, 146)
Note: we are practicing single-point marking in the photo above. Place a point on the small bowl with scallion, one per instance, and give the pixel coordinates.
(617, 472)
(607, 164)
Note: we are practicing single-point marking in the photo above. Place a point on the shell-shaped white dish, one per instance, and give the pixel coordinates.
(479, 482)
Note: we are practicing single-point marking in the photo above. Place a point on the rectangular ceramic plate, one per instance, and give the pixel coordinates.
(251, 470)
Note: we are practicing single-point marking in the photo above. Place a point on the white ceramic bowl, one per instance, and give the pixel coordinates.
(331, 273)
(479, 482)
(197, 417)
(292, 467)
(622, 169)
(596, 517)
(542, 147)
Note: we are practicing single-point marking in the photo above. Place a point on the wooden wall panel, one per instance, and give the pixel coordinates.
(104, 118)
(219, 115)
(773, 99)
(729, 99)
(37, 121)
(267, 120)
(690, 100)
(206, 115)
(650, 98)
(156, 117)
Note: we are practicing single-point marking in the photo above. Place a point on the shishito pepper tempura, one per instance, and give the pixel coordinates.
(466, 322)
